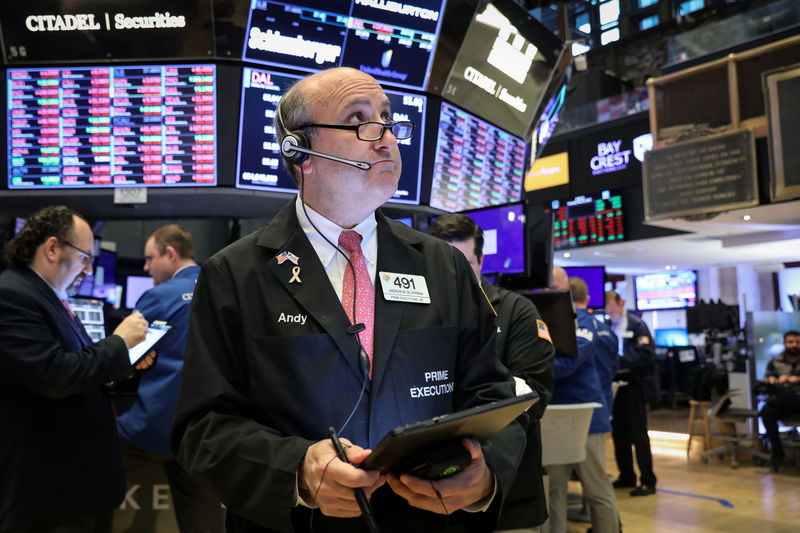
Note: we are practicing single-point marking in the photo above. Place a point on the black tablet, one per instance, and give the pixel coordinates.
(157, 331)
(430, 448)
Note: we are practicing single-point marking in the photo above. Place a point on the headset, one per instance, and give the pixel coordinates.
(295, 147)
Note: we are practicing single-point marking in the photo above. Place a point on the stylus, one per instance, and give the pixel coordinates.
(361, 498)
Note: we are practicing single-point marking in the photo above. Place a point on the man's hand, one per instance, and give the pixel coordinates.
(132, 329)
(147, 361)
(469, 486)
(327, 481)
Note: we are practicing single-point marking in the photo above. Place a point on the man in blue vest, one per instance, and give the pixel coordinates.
(145, 427)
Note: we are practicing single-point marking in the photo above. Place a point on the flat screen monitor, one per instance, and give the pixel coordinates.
(259, 159)
(89, 311)
(595, 278)
(104, 285)
(555, 307)
(503, 238)
(19, 223)
(671, 337)
(408, 221)
(477, 165)
(112, 126)
(504, 66)
(548, 120)
(548, 171)
(587, 220)
(668, 290)
(135, 286)
(391, 41)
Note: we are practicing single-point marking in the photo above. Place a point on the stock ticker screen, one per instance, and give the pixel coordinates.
(587, 220)
(477, 165)
(259, 161)
(145, 125)
(391, 41)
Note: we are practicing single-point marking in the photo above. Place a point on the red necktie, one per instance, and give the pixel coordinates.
(350, 241)
(67, 307)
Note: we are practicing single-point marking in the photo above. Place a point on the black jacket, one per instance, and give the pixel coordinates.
(530, 357)
(259, 387)
(59, 455)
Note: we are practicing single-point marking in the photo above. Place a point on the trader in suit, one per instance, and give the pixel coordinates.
(524, 346)
(286, 339)
(144, 428)
(62, 470)
(629, 419)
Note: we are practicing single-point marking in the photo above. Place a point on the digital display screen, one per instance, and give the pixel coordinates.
(504, 66)
(145, 125)
(595, 278)
(548, 120)
(90, 314)
(548, 171)
(477, 165)
(503, 238)
(391, 41)
(259, 161)
(587, 220)
(672, 337)
(668, 290)
(56, 30)
(135, 286)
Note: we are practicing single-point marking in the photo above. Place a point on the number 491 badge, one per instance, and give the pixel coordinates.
(404, 288)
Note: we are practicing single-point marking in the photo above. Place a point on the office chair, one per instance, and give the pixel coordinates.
(723, 414)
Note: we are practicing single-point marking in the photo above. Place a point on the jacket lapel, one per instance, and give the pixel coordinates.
(56, 307)
(314, 291)
(395, 254)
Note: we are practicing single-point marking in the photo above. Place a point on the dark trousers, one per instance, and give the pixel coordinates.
(770, 414)
(629, 428)
(90, 523)
(197, 508)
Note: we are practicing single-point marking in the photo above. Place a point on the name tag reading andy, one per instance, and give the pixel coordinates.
(404, 288)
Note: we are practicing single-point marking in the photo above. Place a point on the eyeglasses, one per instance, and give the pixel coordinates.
(372, 131)
(87, 258)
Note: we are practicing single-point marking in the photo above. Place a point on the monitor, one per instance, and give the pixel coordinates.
(671, 337)
(595, 278)
(504, 66)
(548, 120)
(19, 223)
(112, 126)
(408, 221)
(135, 286)
(89, 311)
(477, 165)
(548, 171)
(104, 285)
(558, 313)
(392, 41)
(588, 220)
(503, 238)
(666, 290)
(259, 160)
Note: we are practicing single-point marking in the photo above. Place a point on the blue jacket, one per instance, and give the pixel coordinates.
(146, 425)
(577, 380)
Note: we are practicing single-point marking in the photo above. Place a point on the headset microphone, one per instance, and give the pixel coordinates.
(290, 148)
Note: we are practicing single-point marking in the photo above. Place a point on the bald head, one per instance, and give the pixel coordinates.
(560, 278)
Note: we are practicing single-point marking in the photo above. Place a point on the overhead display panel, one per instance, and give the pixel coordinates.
(588, 220)
(259, 162)
(477, 165)
(137, 125)
(504, 66)
(55, 30)
(391, 41)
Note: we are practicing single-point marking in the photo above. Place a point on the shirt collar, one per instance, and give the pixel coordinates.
(330, 230)
(181, 270)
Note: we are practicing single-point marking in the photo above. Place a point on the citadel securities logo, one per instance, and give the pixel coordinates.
(87, 22)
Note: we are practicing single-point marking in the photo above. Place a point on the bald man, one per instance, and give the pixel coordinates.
(306, 325)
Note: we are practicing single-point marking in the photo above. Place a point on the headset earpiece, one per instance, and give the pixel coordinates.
(289, 140)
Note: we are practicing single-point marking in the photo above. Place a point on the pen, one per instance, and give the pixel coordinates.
(361, 498)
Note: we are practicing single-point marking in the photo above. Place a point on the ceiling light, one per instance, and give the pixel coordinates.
(746, 217)
(667, 267)
(566, 254)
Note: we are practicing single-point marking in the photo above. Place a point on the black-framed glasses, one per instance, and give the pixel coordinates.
(372, 131)
(87, 258)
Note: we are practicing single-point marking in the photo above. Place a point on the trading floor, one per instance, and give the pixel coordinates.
(693, 497)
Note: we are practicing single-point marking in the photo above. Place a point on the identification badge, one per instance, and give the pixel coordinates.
(627, 334)
(404, 288)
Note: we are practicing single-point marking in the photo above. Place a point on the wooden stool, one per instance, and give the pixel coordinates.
(703, 406)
